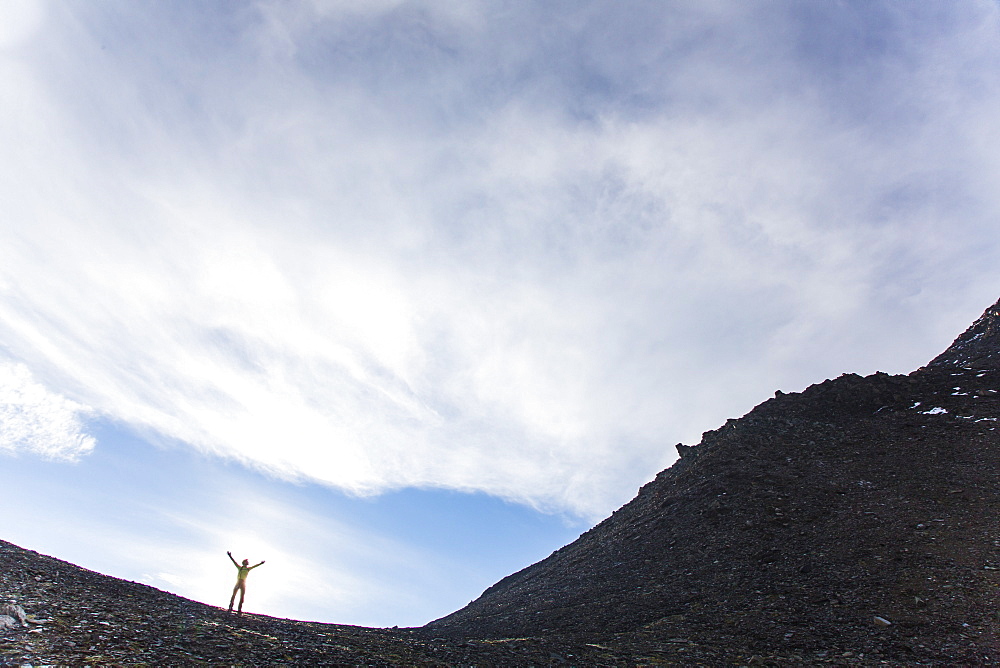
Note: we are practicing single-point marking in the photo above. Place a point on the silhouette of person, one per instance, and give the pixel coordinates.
(241, 581)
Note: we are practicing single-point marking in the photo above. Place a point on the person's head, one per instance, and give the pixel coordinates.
(246, 561)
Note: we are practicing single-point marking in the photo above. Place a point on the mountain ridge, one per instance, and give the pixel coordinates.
(977, 347)
(799, 524)
(852, 523)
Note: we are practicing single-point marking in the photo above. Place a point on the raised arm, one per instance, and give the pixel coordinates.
(256, 565)
(232, 560)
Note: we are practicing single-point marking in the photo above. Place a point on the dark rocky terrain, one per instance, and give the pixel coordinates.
(789, 531)
(855, 523)
(76, 617)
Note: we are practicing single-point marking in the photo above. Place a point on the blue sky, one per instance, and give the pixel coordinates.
(403, 296)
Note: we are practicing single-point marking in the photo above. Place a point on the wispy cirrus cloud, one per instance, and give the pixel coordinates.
(517, 251)
(36, 421)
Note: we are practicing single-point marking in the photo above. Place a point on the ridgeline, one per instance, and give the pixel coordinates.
(854, 523)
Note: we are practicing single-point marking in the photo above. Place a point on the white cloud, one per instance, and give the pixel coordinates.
(19, 21)
(386, 248)
(37, 421)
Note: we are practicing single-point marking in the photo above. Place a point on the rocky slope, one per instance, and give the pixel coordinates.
(68, 616)
(857, 518)
(853, 523)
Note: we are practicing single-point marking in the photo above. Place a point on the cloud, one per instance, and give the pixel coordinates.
(521, 252)
(37, 421)
(19, 19)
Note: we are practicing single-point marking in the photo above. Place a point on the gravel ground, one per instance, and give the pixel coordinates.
(76, 617)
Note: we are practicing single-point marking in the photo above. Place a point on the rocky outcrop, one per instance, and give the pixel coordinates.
(978, 347)
(12, 616)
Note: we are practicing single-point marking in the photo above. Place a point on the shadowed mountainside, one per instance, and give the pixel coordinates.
(854, 523)
(797, 525)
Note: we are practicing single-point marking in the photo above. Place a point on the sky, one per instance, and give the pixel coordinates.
(401, 297)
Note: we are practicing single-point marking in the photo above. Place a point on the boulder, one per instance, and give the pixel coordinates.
(14, 613)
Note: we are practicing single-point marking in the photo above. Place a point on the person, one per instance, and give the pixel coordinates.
(241, 581)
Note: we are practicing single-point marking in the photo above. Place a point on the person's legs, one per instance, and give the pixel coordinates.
(233, 597)
(243, 593)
